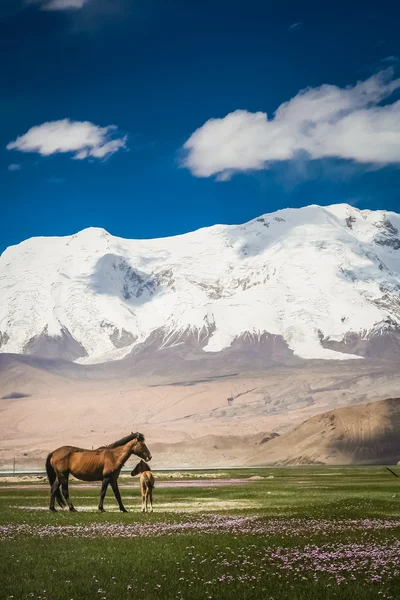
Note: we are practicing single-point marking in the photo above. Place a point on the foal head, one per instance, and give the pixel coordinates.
(141, 467)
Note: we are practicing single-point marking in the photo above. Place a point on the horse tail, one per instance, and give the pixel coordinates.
(51, 474)
(147, 482)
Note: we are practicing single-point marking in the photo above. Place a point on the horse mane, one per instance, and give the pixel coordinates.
(138, 436)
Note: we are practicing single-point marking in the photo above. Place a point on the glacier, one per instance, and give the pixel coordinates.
(324, 279)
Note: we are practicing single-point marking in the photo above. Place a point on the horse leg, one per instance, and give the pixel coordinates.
(104, 487)
(151, 499)
(54, 489)
(117, 495)
(143, 494)
(65, 492)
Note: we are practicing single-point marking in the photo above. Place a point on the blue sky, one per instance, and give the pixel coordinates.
(159, 71)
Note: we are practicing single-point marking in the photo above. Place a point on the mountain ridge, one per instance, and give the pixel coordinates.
(310, 283)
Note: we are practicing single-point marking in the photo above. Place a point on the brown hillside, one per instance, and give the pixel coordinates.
(362, 434)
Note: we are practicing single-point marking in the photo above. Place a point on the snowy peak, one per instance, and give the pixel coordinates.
(324, 281)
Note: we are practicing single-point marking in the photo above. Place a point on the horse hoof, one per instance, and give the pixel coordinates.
(73, 509)
(123, 510)
(53, 509)
(102, 510)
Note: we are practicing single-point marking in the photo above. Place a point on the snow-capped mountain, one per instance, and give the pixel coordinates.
(324, 281)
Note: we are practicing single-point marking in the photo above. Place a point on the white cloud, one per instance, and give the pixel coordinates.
(295, 26)
(14, 167)
(324, 122)
(58, 4)
(82, 138)
(64, 4)
(391, 59)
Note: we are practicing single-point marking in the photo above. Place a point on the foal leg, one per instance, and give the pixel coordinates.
(151, 499)
(115, 489)
(104, 487)
(65, 492)
(143, 492)
(54, 489)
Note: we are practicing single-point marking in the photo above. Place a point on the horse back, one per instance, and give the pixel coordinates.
(60, 458)
(83, 464)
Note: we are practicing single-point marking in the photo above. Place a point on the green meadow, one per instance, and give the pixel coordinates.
(298, 533)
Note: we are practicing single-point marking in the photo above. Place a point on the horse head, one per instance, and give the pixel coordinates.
(140, 448)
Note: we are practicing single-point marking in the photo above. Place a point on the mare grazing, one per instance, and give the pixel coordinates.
(103, 464)
(146, 483)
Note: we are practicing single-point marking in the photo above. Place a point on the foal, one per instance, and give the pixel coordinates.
(146, 483)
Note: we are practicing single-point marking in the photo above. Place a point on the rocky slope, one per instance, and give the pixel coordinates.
(363, 434)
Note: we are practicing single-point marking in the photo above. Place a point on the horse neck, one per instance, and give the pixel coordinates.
(124, 452)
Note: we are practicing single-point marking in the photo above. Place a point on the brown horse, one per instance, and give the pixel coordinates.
(103, 464)
(146, 483)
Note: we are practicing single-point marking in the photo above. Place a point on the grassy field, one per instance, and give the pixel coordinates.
(301, 533)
